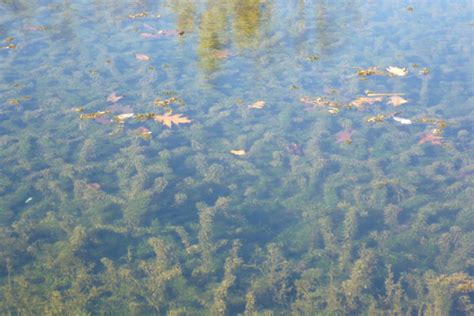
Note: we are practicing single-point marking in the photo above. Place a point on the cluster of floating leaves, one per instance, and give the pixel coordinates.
(167, 119)
(390, 71)
(434, 136)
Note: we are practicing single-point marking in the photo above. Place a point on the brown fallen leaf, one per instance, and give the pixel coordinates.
(396, 100)
(396, 71)
(170, 119)
(257, 105)
(361, 101)
(142, 57)
(238, 152)
(113, 97)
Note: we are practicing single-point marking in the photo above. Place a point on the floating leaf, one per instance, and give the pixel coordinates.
(94, 186)
(333, 110)
(380, 117)
(138, 15)
(161, 33)
(166, 102)
(313, 57)
(94, 115)
(344, 137)
(238, 152)
(319, 101)
(431, 138)
(145, 116)
(9, 46)
(375, 94)
(376, 118)
(122, 117)
(150, 35)
(36, 28)
(13, 102)
(396, 100)
(396, 71)
(257, 105)
(425, 71)
(168, 119)
(369, 72)
(361, 101)
(142, 57)
(402, 120)
(222, 54)
(113, 97)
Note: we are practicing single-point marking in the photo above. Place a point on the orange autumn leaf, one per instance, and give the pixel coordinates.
(361, 101)
(170, 119)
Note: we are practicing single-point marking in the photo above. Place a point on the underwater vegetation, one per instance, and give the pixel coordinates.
(236, 157)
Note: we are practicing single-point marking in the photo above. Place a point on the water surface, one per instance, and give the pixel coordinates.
(303, 177)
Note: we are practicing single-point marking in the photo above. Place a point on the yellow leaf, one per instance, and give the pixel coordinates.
(168, 119)
(396, 71)
(238, 152)
(396, 100)
(257, 105)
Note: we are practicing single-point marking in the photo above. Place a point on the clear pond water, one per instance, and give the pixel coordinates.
(249, 157)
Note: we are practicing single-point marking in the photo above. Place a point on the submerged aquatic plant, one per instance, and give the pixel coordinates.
(251, 209)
